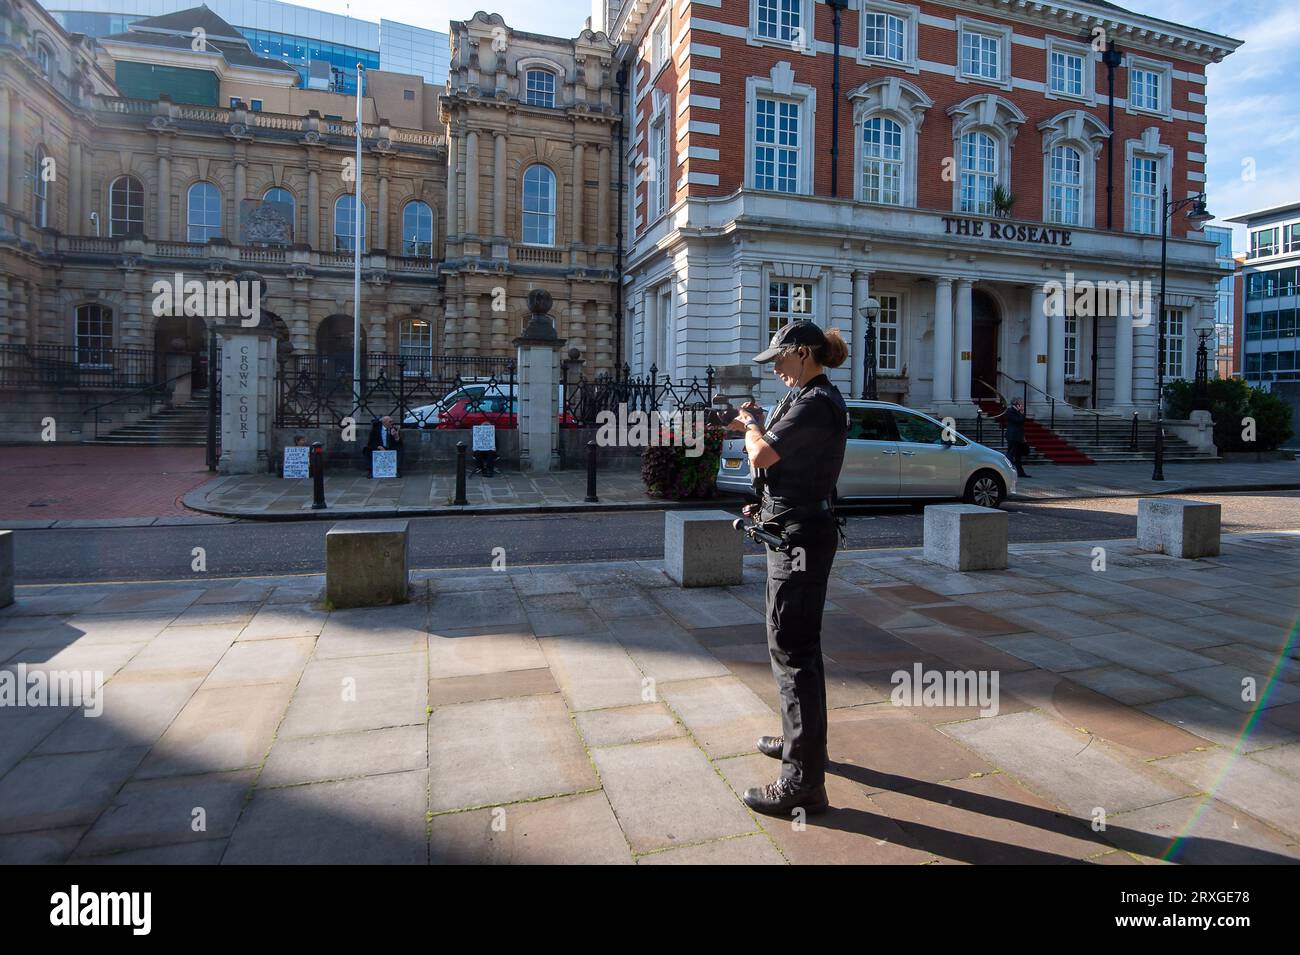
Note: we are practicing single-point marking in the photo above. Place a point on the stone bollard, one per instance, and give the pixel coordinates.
(702, 549)
(1179, 528)
(966, 537)
(367, 564)
(6, 568)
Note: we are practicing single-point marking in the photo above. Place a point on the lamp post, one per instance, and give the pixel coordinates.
(869, 310)
(1201, 385)
(837, 6)
(1197, 216)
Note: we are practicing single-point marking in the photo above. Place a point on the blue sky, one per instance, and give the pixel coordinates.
(1254, 96)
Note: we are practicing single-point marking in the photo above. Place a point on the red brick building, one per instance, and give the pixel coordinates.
(971, 182)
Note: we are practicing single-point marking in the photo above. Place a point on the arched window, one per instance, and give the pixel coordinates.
(94, 334)
(45, 59)
(539, 206)
(539, 88)
(1065, 195)
(882, 161)
(345, 223)
(41, 211)
(417, 230)
(279, 194)
(979, 173)
(125, 208)
(204, 212)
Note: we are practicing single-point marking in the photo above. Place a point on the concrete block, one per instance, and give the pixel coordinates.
(367, 564)
(702, 549)
(966, 537)
(6, 568)
(1170, 525)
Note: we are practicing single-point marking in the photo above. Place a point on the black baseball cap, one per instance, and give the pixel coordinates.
(802, 332)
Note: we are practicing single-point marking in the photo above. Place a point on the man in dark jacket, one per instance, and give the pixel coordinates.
(384, 436)
(1016, 445)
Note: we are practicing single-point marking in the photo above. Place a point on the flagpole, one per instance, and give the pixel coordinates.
(356, 262)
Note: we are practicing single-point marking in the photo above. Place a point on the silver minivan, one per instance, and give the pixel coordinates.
(896, 453)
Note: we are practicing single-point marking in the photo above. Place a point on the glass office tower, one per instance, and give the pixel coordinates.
(291, 34)
(1221, 357)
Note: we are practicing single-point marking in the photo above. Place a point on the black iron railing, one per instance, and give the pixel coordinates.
(70, 368)
(585, 399)
(427, 391)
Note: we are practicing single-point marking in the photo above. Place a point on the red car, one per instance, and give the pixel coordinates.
(497, 410)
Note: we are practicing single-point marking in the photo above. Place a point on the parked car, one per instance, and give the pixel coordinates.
(898, 454)
(496, 410)
(426, 416)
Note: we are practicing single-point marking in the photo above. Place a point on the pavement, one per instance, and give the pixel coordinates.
(1145, 709)
(266, 497)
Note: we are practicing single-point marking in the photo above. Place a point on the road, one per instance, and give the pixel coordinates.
(250, 548)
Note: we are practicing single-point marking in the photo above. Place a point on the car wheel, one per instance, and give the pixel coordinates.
(985, 488)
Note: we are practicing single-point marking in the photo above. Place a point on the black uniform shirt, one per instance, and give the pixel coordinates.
(810, 438)
(1015, 425)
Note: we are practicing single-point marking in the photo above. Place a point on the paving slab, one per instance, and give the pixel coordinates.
(725, 716)
(1072, 769)
(594, 671)
(1220, 724)
(66, 789)
(666, 793)
(1227, 685)
(742, 850)
(377, 820)
(313, 759)
(136, 711)
(491, 686)
(665, 652)
(1199, 831)
(261, 661)
(628, 724)
(220, 729)
(458, 653)
(566, 830)
(273, 622)
(159, 812)
(400, 628)
(359, 693)
(500, 751)
(1126, 686)
(45, 847)
(1049, 653)
(1241, 782)
(1141, 654)
(205, 852)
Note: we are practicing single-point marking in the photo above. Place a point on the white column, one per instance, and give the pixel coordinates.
(943, 340)
(1056, 353)
(1123, 385)
(579, 186)
(164, 231)
(649, 329)
(963, 349)
(471, 183)
(602, 196)
(453, 187)
(857, 347)
(6, 133)
(1037, 376)
(499, 185)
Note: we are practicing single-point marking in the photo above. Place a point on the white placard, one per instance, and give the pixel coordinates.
(485, 437)
(297, 462)
(385, 463)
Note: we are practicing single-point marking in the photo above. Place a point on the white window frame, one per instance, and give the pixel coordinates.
(1079, 188)
(351, 222)
(1065, 47)
(411, 248)
(995, 116)
(1070, 346)
(775, 318)
(190, 224)
(978, 175)
(547, 97)
(658, 186)
(411, 343)
(113, 232)
(995, 31)
(1256, 245)
(660, 55)
(797, 42)
(1086, 134)
(93, 357)
(909, 16)
(780, 87)
(903, 102)
(40, 191)
(1148, 147)
(1164, 72)
(552, 215)
(884, 325)
(45, 60)
(1175, 344)
(884, 163)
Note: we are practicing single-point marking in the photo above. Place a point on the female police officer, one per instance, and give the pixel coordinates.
(796, 457)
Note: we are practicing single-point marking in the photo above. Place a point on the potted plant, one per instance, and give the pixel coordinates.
(1002, 201)
(669, 473)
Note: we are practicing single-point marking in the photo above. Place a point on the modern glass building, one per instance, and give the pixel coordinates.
(1271, 277)
(292, 34)
(1224, 310)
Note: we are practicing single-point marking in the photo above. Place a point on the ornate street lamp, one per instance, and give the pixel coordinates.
(1201, 386)
(1197, 216)
(869, 310)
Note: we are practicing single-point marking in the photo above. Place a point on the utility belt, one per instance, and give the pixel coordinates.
(785, 509)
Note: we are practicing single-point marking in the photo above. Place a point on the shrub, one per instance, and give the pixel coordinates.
(670, 474)
(1232, 400)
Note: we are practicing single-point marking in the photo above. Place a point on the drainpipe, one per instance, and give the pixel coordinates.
(1112, 58)
(836, 6)
(618, 267)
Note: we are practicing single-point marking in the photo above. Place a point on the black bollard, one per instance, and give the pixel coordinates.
(591, 473)
(460, 473)
(316, 464)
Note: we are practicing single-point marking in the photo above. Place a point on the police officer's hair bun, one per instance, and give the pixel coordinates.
(836, 350)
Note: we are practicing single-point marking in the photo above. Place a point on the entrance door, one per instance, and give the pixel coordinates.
(986, 325)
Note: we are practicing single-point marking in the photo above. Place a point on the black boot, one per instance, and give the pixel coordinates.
(782, 797)
(771, 746)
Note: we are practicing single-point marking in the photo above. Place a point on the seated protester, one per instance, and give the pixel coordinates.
(384, 436)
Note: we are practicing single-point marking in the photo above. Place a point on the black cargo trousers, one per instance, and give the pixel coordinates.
(796, 597)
